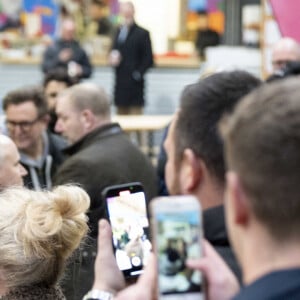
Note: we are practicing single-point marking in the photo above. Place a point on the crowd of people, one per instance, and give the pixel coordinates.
(233, 144)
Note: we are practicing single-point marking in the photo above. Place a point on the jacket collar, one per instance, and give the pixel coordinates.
(214, 226)
(90, 138)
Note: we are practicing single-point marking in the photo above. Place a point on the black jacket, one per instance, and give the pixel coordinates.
(35, 292)
(137, 58)
(51, 57)
(215, 232)
(102, 158)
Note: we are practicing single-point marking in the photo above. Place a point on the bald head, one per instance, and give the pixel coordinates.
(285, 50)
(89, 96)
(11, 171)
(81, 109)
(127, 12)
(68, 29)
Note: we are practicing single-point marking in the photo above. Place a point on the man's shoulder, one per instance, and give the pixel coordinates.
(277, 285)
(141, 29)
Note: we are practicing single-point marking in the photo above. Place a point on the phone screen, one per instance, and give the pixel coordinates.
(177, 239)
(130, 227)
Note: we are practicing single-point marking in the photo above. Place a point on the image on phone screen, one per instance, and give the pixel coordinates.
(130, 227)
(178, 238)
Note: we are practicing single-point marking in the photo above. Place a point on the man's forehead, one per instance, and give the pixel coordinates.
(26, 106)
(27, 103)
(63, 100)
(64, 104)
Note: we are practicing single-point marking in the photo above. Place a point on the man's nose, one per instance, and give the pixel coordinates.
(23, 171)
(58, 126)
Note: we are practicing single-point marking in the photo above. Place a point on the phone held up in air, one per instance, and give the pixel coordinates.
(127, 213)
(176, 225)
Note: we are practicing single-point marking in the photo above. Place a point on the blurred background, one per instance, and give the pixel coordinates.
(189, 38)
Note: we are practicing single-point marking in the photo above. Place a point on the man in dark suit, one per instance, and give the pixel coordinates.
(131, 56)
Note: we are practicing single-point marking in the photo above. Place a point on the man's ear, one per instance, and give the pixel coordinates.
(237, 199)
(191, 171)
(87, 118)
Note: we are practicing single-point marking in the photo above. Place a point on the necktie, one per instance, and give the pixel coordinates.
(123, 34)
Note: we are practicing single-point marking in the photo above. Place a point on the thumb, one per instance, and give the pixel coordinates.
(148, 278)
(107, 273)
(145, 287)
(105, 238)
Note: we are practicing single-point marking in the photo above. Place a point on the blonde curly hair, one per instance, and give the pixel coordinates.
(39, 231)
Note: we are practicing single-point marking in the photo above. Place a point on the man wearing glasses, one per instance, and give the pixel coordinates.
(26, 122)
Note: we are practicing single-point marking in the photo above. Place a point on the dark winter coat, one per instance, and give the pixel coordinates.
(105, 157)
(136, 59)
(215, 232)
(102, 158)
(35, 292)
(51, 57)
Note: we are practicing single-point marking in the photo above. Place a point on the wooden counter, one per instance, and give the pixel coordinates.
(142, 128)
(142, 123)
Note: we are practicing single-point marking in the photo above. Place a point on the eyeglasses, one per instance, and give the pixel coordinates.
(25, 125)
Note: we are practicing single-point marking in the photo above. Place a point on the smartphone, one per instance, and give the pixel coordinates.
(127, 212)
(176, 224)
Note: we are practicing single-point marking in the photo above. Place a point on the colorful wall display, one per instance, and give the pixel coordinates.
(46, 11)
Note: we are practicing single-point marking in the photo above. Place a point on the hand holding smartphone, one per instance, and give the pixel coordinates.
(127, 212)
(177, 230)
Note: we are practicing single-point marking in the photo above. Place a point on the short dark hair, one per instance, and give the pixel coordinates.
(262, 143)
(58, 74)
(27, 94)
(202, 105)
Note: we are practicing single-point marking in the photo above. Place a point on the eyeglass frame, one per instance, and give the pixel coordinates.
(25, 125)
(52, 95)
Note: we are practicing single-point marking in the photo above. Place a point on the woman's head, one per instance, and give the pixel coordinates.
(38, 233)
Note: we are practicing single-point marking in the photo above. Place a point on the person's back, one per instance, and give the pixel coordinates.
(38, 233)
